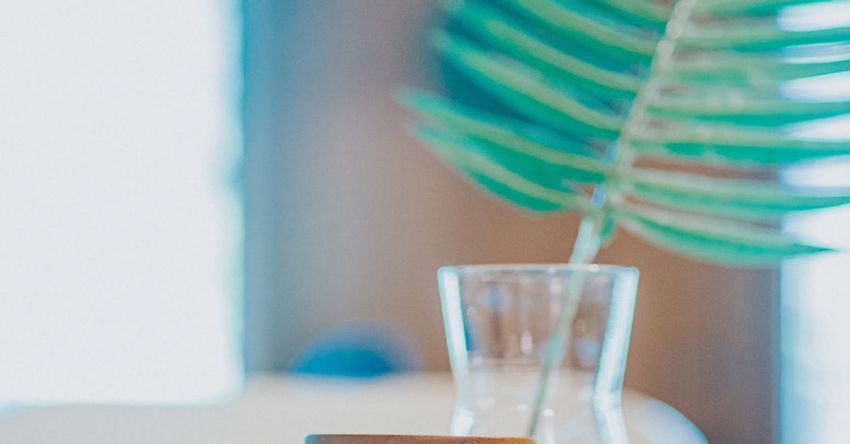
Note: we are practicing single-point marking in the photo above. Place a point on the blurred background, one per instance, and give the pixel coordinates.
(198, 191)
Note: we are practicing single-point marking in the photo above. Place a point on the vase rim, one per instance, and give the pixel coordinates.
(537, 267)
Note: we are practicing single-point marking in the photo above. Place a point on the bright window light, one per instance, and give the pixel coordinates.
(815, 335)
(119, 224)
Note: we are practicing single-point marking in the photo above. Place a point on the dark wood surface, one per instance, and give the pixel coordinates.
(410, 439)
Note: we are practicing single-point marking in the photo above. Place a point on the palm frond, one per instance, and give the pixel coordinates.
(749, 199)
(596, 86)
(711, 239)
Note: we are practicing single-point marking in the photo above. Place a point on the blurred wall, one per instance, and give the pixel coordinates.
(348, 219)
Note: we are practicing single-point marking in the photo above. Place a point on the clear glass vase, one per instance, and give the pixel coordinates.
(501, 320)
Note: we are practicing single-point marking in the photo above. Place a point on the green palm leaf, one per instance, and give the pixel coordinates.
(746, 108)
(711, 239)
(650, 14)
(515, 39)
(757, 35)
(535, 189)
(534, 95)
(713, 143)
(522, 142)
(735, 68)
(735, 198)
(603, 35)
(595, 87)
(738, 7)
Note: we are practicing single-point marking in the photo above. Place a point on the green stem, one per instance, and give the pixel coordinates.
(584, 251)
(588, 239)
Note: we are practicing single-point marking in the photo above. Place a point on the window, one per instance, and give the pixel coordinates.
(120, 225)
(815, 391)
(815, 334)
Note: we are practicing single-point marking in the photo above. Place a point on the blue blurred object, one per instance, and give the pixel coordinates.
(363, 351)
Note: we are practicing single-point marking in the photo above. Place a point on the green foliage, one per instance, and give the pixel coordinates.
(593, 89)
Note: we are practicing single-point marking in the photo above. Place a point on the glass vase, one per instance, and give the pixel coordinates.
(502, 321)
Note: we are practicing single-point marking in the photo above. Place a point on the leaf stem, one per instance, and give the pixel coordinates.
(588, 240)
(585, 250)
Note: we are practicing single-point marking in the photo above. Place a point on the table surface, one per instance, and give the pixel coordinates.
(283, 409)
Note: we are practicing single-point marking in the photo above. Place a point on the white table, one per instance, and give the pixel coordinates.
(283, 409)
